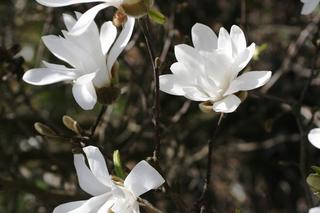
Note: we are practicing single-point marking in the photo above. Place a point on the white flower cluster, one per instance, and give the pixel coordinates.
(210, 71)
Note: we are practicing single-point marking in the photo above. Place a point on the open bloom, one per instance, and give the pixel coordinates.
(208, 72)
(87, 54)
(107, 195)
(131, 7)
(314, 137)
(309, 6)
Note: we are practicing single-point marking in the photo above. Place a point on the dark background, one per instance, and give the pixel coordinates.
(257, 150)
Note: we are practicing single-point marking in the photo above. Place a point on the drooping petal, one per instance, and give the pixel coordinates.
(203, 38)
(314, 210)
(224, 42)
(98, 165)
(309, 6)
(87, 181)
(248, 81)
(61, 3)
(238, 39)
(143, 178)
(314, 137)
(45, 76)
(90, 206)
(84, 92)
(87, 18)
(121, 42)
(227, 105)
(108, 34)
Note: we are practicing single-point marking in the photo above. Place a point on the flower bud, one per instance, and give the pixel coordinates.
(313, 181)
(119, 18)
(206, 107)
(44, 130)
(72, 124)
(242, 95)
(107, 95)
(136, 8)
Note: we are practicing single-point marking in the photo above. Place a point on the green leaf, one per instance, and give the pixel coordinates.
(118, 165)
(157, 16)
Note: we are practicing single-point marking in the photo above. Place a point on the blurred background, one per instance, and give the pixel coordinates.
(257, 153)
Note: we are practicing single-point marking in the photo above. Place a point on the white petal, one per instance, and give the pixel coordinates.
(248, 81)
(172, 85)
(314, 210)
(224, 42)
(106, 206)
(69, 21)
(87, 18)
(87, 181)
(85, 95)
(238, 39)
(61, 3)
(67, 207)
(45, 76)
(98, 165)
(309, 6)
(242, 60)
(69, 52)
(314, 137)
(121, 42)
(189, 57)
(108, 34)
(227, 105)
(195, 94)
(203, 37)
(143, 178)
(92, 205)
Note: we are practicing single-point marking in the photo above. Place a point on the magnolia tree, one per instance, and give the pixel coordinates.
(122, 58)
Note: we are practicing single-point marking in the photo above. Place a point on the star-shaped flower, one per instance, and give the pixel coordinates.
(87, 54)
(96, 181)
(209, 71)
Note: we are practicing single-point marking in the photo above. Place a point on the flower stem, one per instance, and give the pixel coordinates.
(98, 120)
(202, 201)
(156, 105)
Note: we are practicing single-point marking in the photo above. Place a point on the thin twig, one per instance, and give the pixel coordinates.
(156, 107)
(303, 129)
(98, 120)
(202, 201)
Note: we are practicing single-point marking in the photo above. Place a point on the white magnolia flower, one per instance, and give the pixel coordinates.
(314, 210)
(107, 196)
(87, 54)
(209, 71)
(314, 137)
(309, 6)
(134, 7)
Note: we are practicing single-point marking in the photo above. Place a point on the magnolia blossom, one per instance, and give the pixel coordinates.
(309, 6)
(89, 15)
(314, 137)
(208, 72)
(314, 210)
(87, 54)
(96, 181)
